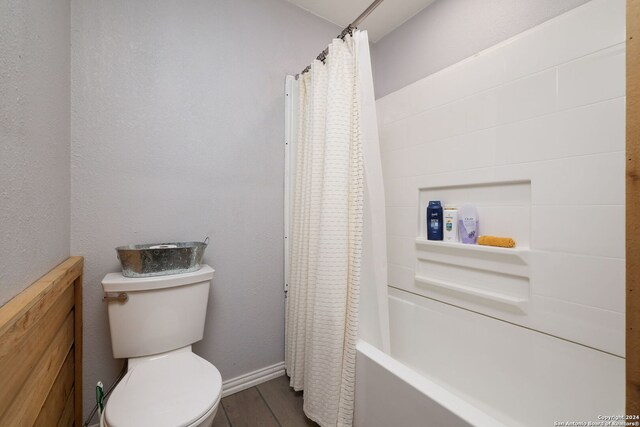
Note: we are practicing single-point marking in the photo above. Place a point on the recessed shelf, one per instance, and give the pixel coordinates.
(464, 274)
(519, 252)
(504, 207)
(468, 290)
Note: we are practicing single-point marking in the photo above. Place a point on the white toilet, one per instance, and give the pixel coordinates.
(153, 322)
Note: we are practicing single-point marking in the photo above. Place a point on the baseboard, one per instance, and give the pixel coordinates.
(243, 382)
(251, 379)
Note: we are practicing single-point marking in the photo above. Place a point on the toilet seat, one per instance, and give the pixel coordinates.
(206, 417)
(174, 389)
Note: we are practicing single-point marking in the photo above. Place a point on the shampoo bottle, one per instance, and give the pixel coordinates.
(434, 221)
(450, 223)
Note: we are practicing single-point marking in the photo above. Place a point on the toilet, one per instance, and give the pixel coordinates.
(153, 322)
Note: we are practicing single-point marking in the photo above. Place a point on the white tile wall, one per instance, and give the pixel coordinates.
(401, 221)
(593, 78)
(584, 230)
(547, 107)
(581, 181)
(583, 279)
(596, 128)
(557, 121)
(578, 33)
(401, 251)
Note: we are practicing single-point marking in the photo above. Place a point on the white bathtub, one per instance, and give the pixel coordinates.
(453, 367)
(389, 393)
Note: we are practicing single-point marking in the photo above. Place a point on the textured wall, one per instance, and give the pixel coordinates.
(177, 133)
(34, 141)
(451, 30)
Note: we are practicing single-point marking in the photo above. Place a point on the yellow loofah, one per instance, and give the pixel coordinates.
(502, 242)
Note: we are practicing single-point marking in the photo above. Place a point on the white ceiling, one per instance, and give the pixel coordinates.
(389, 15)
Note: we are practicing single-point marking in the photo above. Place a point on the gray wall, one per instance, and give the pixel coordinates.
(34, 141)
(177, 134)
(449, 31)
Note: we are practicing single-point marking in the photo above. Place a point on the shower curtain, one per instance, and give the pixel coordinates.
(338, 202)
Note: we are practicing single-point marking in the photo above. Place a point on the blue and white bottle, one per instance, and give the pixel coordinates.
(434, 220)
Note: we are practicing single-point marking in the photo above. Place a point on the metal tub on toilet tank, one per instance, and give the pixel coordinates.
(160, 259)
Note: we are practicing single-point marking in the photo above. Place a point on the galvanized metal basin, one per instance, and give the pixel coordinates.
(160, 259)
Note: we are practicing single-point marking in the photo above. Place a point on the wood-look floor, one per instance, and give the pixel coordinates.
(269, 404)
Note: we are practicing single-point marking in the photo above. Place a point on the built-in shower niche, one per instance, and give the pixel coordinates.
(479, 274)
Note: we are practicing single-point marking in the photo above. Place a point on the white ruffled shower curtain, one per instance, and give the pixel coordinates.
(338, 202)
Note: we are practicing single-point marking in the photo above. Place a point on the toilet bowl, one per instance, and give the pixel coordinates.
(177, 388)
(154, 325)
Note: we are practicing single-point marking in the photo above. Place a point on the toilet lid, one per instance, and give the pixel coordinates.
(172, 390)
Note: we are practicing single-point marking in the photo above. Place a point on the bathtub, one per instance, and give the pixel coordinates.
(389, 393)
(454, 367)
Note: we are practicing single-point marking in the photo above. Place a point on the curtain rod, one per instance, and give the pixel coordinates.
(349, 30)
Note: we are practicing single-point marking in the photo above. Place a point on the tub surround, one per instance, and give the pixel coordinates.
(530, 131)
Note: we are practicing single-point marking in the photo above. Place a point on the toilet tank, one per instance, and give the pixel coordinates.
(160, 313)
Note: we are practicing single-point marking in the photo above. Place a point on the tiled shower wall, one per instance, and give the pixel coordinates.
(543, 111)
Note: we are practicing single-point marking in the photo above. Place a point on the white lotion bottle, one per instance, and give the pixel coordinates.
(468, 224)
(450, 223)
